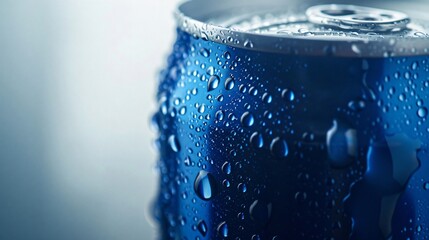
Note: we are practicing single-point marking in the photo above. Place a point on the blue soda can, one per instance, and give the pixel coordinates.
(295, 120)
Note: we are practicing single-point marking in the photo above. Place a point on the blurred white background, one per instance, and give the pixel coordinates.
(77, 88)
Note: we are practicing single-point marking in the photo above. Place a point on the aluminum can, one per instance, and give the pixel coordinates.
(295, 120)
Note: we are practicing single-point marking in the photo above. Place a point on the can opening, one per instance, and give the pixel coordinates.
(357, 18)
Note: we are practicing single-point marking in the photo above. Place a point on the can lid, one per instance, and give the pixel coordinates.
(298, 27)
(356, 18)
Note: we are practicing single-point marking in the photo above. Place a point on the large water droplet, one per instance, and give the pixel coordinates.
(205, 185)
(256, 237)
(247, 119)
(288, 95)
(422, 112)
(229, 83)
(260, 211)
(391, 162)
(342, 145)
(279, 147)
(220, 115)
(227, 55)
(248, 44)
(213, 83)
(182, 110)
(257, 140)
(226, 168)
(174, 143)
(267, 98)
(253, 91)
(202, 108)
(242, 187)
(223, 229)
(202, 227)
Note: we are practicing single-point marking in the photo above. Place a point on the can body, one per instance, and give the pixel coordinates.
(259, 145)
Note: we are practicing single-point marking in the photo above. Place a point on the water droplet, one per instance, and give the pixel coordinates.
(223, 229)
(356, 49)
(205, 185)
(202, 108)
(288, 95)
(182, 220)
(213, 83)
(256, 237)
(242, 88)
(260, 211)
(267, 98)
(174, 143)
(253, 91)
(220, 115)
(204, 52)
(422, 112)
(227, 55)
(187, 161)
(247, 119)
(279, 147)
(229, 83)
(182, 110)
(357, 106)
(210, 70)
(226, 183)
(248, 44)
(342, 145)
(226, 168)
(419, 228)
(242, 187)
(202, 227)
(257, 140)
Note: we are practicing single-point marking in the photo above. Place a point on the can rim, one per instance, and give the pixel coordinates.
(198, 26)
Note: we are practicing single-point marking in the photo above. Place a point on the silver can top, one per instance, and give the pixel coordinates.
(316, 28)
(357, 18)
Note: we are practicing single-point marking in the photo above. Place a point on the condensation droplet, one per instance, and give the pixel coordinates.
(229, 83)
(174, 143)
(422, 112)
(288, 95)
(248, 44)
(222, 229)
(242, 187)
(204, 52)
(213, 83)
(247, 119)
(279, 147)
(266, 97)
(202, 227)
(342, 145)
(257, 140)
(260, 211)
(182, 110)
(220, 115)
(226, 168)
(205, 185)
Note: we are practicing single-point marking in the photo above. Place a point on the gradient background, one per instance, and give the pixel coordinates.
(77, 87)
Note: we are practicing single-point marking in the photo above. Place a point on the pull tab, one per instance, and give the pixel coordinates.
(357, 18)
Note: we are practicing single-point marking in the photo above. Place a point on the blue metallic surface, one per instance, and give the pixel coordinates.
(258, 145)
